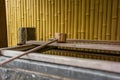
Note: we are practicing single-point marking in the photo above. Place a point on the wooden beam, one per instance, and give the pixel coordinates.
(91, 41)
(71, 61)
(103, 47)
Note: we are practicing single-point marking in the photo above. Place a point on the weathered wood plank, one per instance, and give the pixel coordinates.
(104, 47)
(92, 41)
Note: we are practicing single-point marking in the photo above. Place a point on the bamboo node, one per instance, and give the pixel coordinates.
(87, 14)
(114, 17)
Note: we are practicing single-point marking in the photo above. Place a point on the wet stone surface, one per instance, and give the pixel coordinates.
(9, 74)
(63, 72)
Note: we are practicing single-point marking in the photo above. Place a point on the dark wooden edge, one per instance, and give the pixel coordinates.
(91, 41)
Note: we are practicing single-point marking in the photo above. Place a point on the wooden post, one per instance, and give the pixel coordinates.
(22, 36)
(61, 37)
(25, 34)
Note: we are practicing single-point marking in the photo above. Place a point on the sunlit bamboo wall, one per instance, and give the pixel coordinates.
(80, 19)
(3, 26)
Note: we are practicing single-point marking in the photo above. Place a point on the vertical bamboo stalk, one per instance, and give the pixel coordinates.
(44, 20)
(41, 18)
(79, 18)
(62, 16)
(13, 23)
(49, 7)
(31, 13)
(22, 13)
(72, 18)
(66, 16)
(109, 11)
(83, 19)
(53, 17)
(87, 18)
(104, 19)
(69, 19)
(25, 13)
(100, 20)
(35, 16)
(56, 16)
(59, 16)
(47, 20)
(118, 24)
(38, 19)
(75, 19)
(7, 3)
(92, 18)
(18, 14)
(16, 20)
(10, 22)
(114, 20)
(96, 19)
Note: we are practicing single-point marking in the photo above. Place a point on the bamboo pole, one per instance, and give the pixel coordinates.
(100, 20)
(104, 19)
(56, 16)
(31, 12)
(7, 3)
(29, 16)
(18, 16)
(25, 13)
(27, 52)
(13, 23)
(34, 15)
(22, 12)
(38, 18)
(66, 16)
(109, 14)
(41, 20)
(72, 18)
(69, 19)
(16, 21)
(59, 16)
(96, 20)
(75, 26)
(118, 24)
(50, 30)
(114, 20)
(62, 16)
(79, 18)
(53, 17)
(44, 20)
(87, 19)
(47, 20)
(83, 19)
(92, 18)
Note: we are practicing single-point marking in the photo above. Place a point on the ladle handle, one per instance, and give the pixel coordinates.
(27, 52)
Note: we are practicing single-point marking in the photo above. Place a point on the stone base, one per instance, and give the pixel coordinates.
(33, 70)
